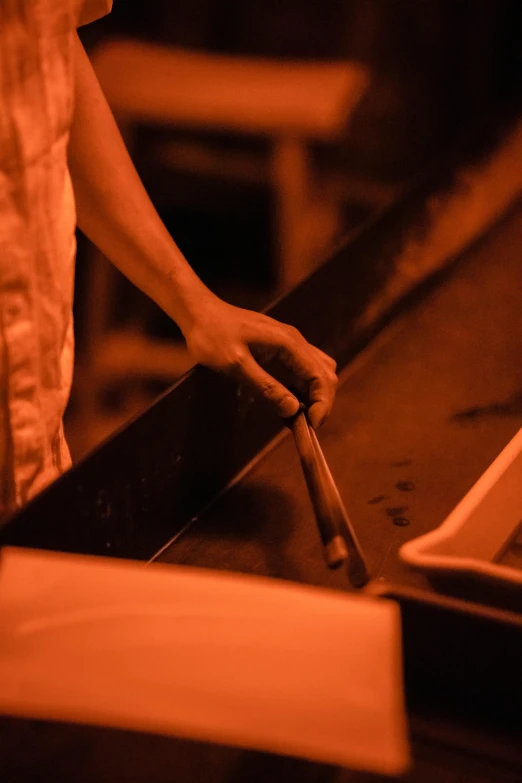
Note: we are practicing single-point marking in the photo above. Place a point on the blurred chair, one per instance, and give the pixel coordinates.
(292, 104)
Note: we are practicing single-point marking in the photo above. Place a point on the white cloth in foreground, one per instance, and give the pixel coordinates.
(213, 656)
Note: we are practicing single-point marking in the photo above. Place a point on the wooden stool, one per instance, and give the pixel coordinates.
(292, 103)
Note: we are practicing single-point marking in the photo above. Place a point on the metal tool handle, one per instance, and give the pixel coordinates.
(357, 566)
(335, 549)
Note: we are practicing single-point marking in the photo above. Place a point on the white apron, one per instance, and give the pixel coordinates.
(37, 239)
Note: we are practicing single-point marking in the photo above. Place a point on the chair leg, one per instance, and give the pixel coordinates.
(308, 221)
(291, 179)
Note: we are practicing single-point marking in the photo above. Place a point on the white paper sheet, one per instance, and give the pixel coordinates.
(207, 655)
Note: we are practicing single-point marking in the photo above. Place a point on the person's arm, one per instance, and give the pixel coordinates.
(115, 212)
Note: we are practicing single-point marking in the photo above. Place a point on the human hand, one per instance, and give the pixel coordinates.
(241, 342)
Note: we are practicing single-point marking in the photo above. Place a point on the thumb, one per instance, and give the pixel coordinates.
(282, 401)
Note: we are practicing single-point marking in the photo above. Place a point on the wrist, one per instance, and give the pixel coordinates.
(185, 298)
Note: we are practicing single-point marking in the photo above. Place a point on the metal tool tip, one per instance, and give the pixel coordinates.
(336, 552)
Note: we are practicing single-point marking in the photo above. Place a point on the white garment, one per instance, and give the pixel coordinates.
(37, 239)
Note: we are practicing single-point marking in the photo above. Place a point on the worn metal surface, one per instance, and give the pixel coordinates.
(418, 418)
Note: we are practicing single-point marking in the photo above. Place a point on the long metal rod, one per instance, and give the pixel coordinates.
(357, 566)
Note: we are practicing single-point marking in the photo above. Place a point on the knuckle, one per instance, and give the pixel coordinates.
(236, 359)
(329, 376)
(324, 376)
(293, 333)
(323, 383)
(269, 389)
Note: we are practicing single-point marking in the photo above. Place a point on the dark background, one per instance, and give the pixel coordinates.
(438, 69)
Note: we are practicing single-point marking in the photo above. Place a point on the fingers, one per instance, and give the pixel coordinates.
(316, 370)
(283, 402)
(330, 363)
(321, 395)
(313, 370)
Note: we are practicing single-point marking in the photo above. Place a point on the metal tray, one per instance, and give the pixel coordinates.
(476, 550)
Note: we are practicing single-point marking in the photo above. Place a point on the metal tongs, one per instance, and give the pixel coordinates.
(337, 534)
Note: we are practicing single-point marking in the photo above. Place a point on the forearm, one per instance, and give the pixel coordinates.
(117, 215)
(114, 210)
